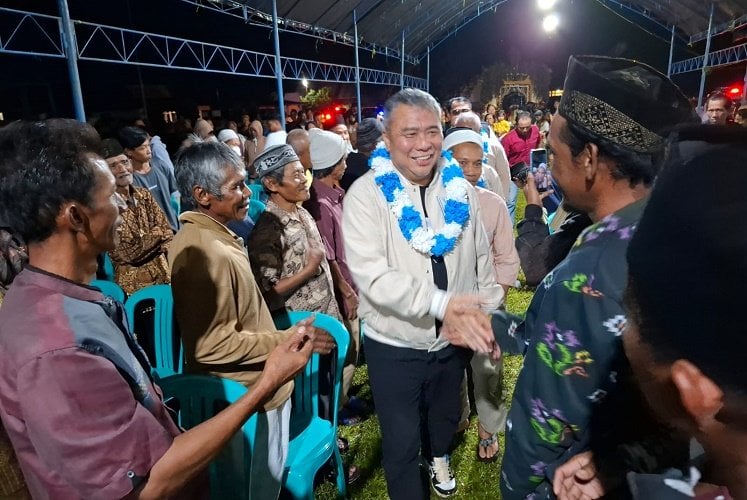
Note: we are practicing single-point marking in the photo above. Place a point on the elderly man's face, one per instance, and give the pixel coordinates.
(469, 157)
(104, 213)
(293, 188)
(717, 111)
(342, 130)
(233, 201)
(414, 139)
(121, 168)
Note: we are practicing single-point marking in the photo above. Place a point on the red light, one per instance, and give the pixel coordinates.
(327, 116)
(337, 108)
(734, 91)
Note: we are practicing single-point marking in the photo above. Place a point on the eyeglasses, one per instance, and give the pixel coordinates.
(459, 111)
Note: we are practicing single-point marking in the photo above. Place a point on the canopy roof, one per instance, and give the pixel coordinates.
(426, 23)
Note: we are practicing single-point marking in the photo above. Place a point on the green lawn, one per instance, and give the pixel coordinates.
(476, 480)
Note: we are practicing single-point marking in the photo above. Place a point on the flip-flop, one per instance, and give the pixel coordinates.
(487, 443)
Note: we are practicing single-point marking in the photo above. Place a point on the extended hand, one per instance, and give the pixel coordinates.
(314, 258)
(531, 194)
(287, 359)
(577, 479)
(466, 325)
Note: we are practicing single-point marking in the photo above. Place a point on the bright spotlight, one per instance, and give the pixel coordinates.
(305, 83)
(545, 4)
(550, 23)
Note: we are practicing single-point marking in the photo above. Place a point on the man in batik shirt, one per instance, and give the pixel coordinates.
(608, 140)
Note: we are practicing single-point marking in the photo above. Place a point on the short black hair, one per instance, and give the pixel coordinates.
(457, 99)
(44, 164)
(636, 167)
(132, 137)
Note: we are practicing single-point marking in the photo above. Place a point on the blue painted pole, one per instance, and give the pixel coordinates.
(428, 70)
(705, 61)
(278, 66)
(671, 53)
(357, 67)
(71, 54)
(402, 68)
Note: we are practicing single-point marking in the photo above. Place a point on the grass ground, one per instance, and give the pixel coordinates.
(476, 480)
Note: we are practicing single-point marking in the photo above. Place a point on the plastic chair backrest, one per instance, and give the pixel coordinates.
(255, 209)
(196, 398)
(258, 193)
(306, 396)
(110, 288)
(169, 352)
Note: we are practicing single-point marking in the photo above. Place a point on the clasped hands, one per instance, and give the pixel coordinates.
(465, 324)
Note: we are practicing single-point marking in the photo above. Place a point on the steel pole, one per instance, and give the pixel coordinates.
(71, 54)
(278, 67)
(357, 67)
(428, 69)
(705, 60)
(671, 54)
(402, 67)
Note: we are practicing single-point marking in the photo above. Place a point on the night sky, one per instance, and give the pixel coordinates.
(32, 86)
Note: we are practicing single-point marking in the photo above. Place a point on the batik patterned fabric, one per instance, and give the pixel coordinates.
(278, 249)
(572, 336)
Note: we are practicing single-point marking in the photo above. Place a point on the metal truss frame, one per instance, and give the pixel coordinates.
(111, 44)
(722, 57)
(256, 17)
(721, 28)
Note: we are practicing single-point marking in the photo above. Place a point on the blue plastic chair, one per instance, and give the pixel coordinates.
(196, 398)
(169, 352)
(255, 209)
(110, 288)
(313, 439)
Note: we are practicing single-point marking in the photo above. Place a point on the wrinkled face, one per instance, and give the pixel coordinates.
(566, 170)
(121, 168)
(233, 201)
(717, 111)
(342, 131)
(141, 154)
(339, 170)
(469, 157)
(524, 127)
(104, 215)
(414, 139)
(293, 188)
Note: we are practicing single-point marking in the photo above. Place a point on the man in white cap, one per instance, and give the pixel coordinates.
(466, 146)
(231, 139)
(328, 154)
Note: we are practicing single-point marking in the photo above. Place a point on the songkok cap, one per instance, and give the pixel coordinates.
(460, 135)
(111, 148)
(369, 132)
(687, 261)
(326, 148)
(622, 100)
(226, 135)
(273, 158)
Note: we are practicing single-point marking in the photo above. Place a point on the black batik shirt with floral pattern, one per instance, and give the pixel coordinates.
(572, 338)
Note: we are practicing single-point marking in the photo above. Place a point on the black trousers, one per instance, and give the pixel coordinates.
(416, 394)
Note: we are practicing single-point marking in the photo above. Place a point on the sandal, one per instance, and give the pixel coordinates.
(486, 444)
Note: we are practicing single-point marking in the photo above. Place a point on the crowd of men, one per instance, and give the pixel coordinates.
(403, 232)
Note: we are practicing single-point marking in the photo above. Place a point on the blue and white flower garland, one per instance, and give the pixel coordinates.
(456, 208)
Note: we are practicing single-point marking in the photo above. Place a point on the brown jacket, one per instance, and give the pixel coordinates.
(225, 324)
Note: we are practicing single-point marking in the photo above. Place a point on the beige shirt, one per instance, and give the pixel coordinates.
(500, 233)
(226, 327)
(498, 160)
(395, 281)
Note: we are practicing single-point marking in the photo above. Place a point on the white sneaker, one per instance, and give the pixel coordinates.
(442, 477)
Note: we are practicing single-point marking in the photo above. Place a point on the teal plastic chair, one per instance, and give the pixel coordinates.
(110, 288)
(313, 439)
(196, 398)
(258, 193)
(168, 349)
(255, 209)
